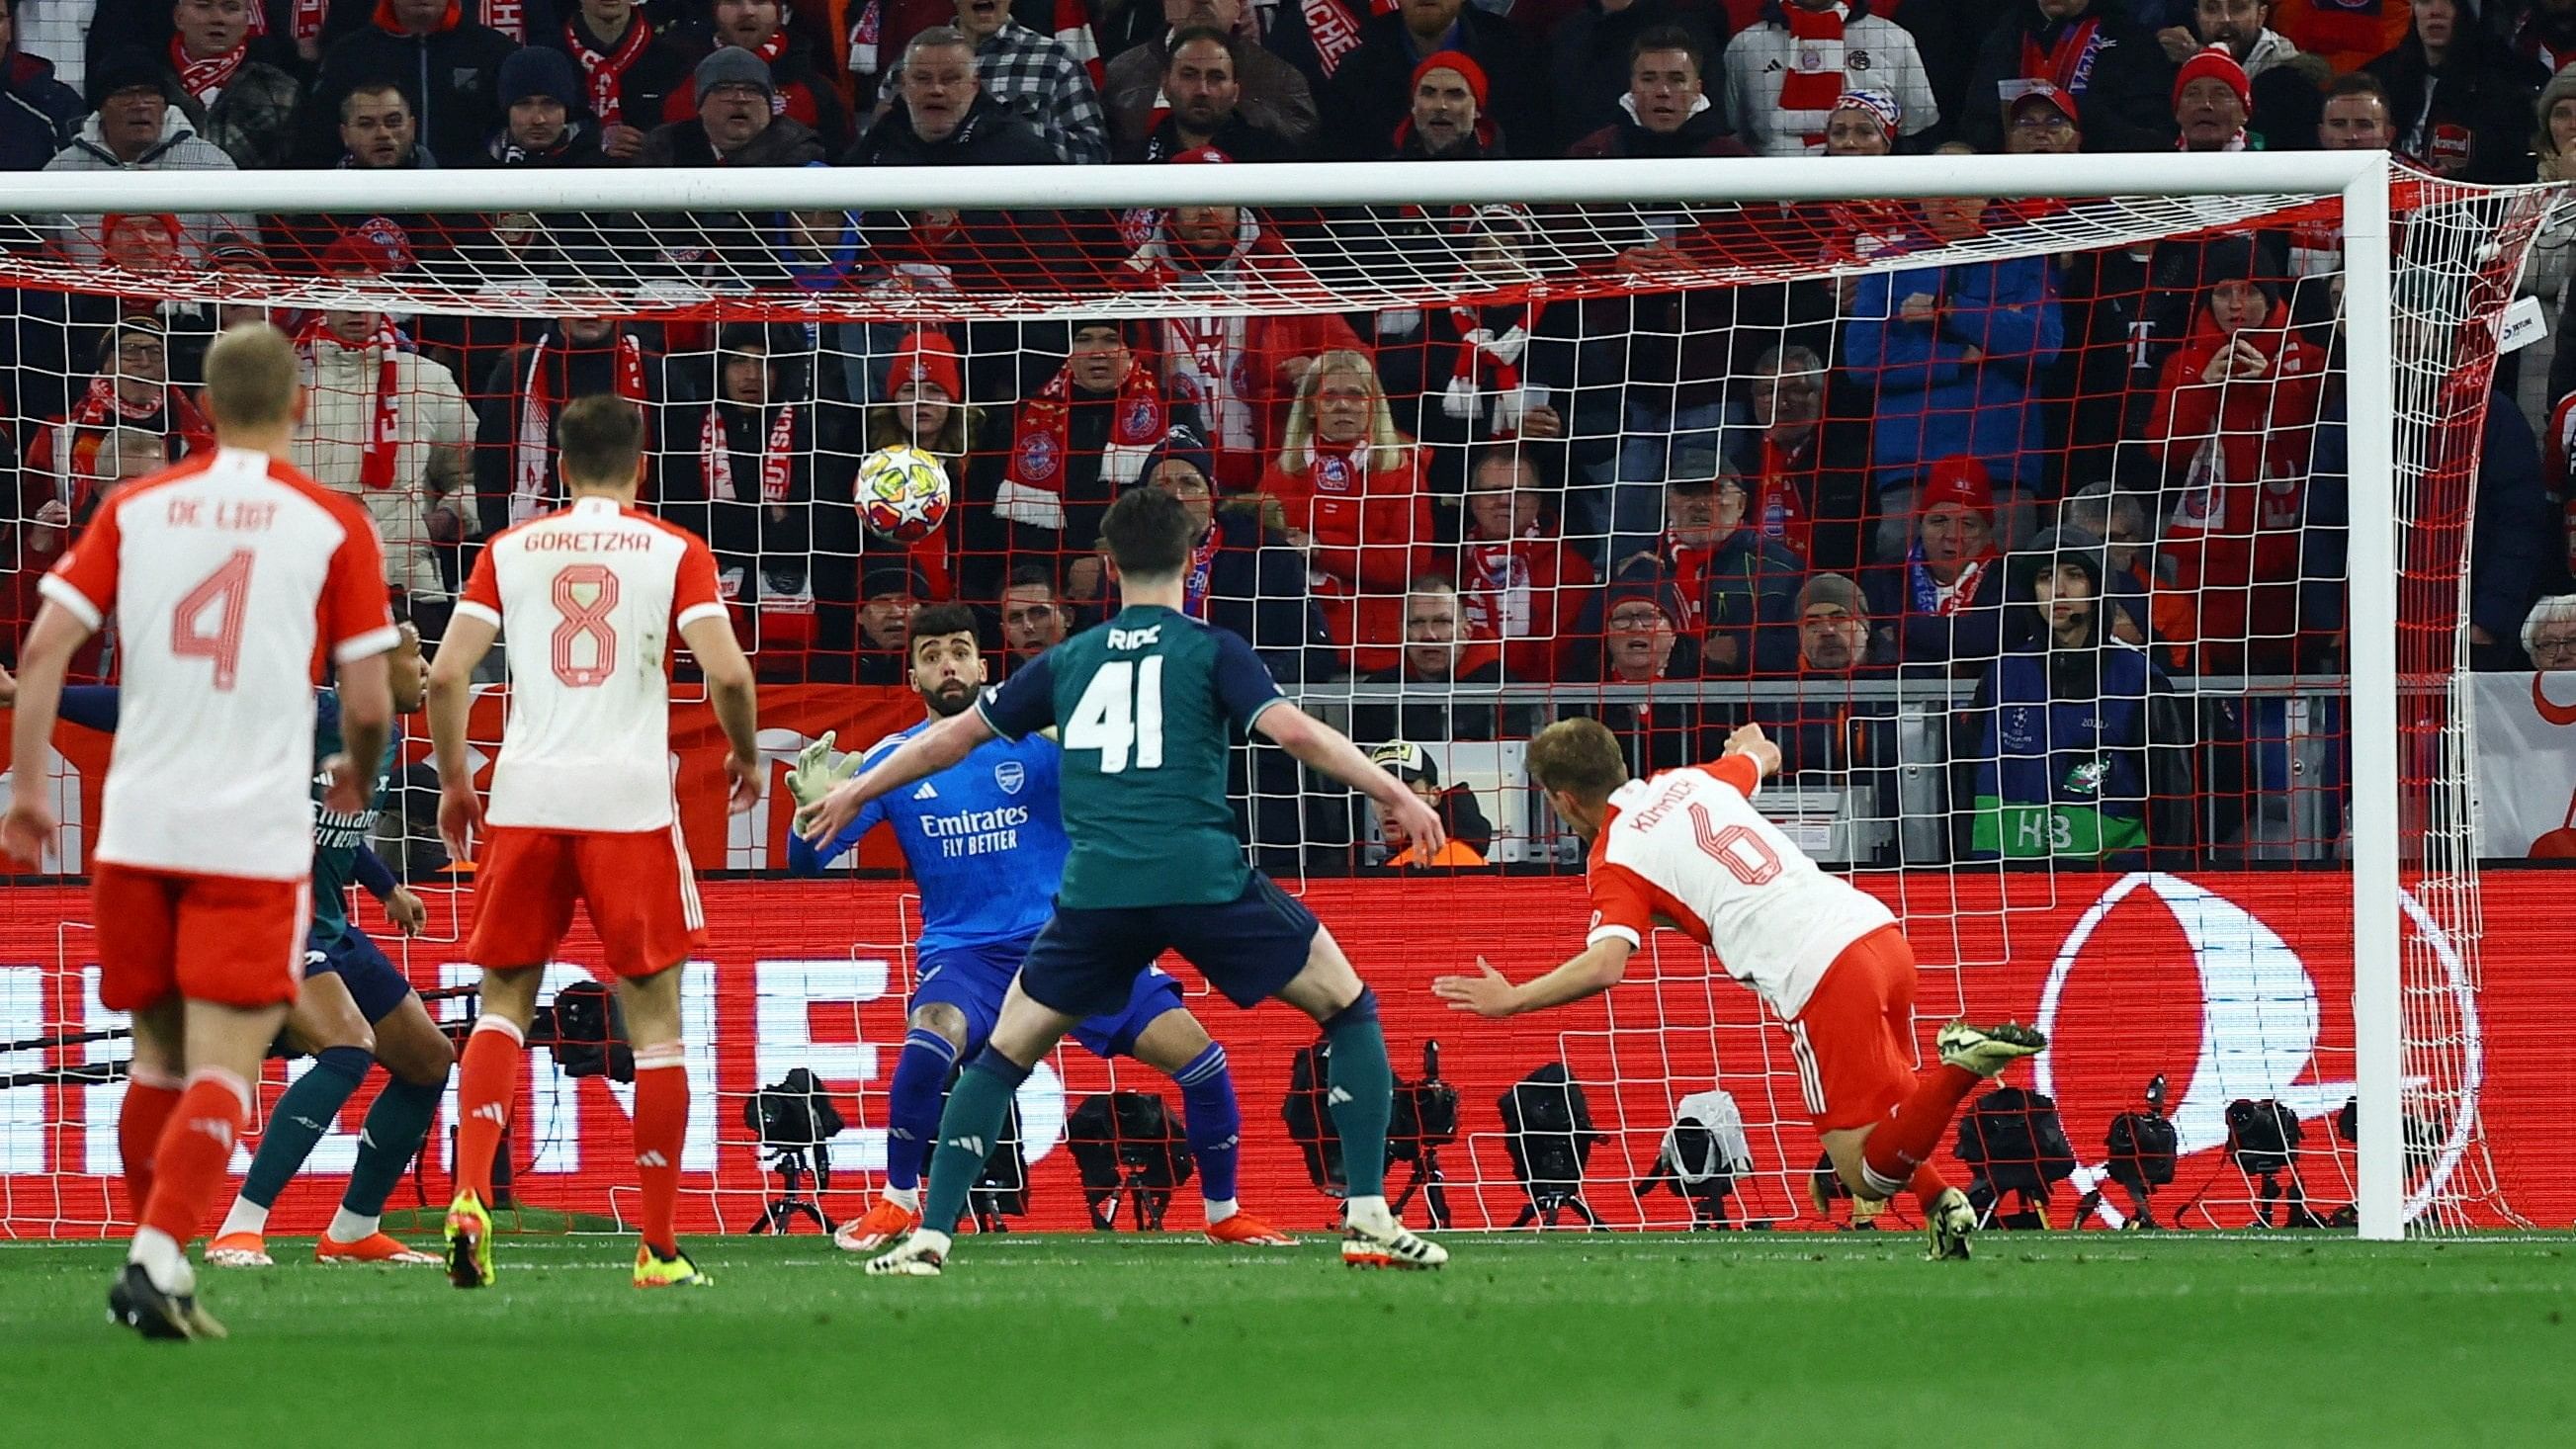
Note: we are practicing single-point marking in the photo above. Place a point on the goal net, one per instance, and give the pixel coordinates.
(2101, 564)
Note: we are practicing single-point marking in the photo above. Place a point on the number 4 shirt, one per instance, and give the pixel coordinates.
(1688, 848)
(232, 578)
(590, 597)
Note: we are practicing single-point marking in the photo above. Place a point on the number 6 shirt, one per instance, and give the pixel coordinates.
(590, 597)
(1689, 848)
(232, 577)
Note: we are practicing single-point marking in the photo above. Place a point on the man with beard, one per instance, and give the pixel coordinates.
(544, 117)
(1371, 88)
(986, 846)
(1033, 618)
(2285, 86)
(1826, 728)
(430, 43)
(1668, 112)
(1230, 89)
(1941, 605)
(1447, 119)
(516, 476)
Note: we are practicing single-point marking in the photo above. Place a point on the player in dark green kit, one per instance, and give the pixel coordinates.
(1146, 707)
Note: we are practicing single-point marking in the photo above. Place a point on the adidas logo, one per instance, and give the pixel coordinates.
(1337, 1096)
(493, 1113)
(215, 1127)
(652, 1159)
(365, 1138)
(971, 1144)
(307, 1122)
(926, 792)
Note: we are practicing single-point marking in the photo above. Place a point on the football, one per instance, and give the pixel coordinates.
(902, 493)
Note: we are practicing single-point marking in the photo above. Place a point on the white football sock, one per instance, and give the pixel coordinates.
(907, 1198)
(1219, 1209)
(163, 1261)
(349, 1227)
(1371, 1208)
(245, 1217)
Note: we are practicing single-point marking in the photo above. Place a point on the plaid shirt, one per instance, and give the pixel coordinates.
(1040, 82)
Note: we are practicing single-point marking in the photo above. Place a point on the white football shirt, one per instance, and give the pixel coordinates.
(230, 577)
(1688, 847)
(590, 596)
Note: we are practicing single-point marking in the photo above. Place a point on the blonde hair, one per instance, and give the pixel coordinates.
(1386, 445)
(251, 377)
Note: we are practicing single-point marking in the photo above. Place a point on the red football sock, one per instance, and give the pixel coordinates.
(1927, 1184)
(661, 1131)
(195, 1151)
(486, 1084)
(149, 1097)
(1911, 1133)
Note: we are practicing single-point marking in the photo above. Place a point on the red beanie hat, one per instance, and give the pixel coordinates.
(2215, 62)
(1199, 155)
(1458, 61)
(930, 357)
(1961, 480)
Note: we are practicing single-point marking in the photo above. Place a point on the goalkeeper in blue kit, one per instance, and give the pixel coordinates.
(1148, 706)
(987, 847)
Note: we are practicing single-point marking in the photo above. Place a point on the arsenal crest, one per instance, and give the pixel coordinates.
(1010, 775)
(1037, 458)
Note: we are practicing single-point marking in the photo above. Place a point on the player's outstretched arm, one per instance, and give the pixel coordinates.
(1749, 741)
(29, 826)
(1325, 748)
(736, 700)
(925, 754)
(1490, 993)
(451, 692)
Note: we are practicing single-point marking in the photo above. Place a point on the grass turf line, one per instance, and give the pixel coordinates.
(1565, 1339)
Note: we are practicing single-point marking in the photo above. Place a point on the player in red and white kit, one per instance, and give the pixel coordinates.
(233, 579)
(581, 810)
(1688, 849)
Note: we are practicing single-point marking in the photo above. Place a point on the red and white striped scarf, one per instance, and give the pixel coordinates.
(1073, 32)
(1488, 366)
(541, 395)
(1814, 78)
(777, 456)
(384, 427)
(602, 72)
(206, 79)
(1041, 447)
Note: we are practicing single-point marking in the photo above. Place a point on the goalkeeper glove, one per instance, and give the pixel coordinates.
(817, 774)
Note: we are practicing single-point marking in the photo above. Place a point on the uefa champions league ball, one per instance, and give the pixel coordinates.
(902, 493)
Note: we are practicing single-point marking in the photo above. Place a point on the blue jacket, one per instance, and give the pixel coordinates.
(1932, 402)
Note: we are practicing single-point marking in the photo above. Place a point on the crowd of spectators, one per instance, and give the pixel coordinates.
(2060, 480)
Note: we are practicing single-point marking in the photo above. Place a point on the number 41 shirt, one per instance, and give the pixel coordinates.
(1146, 707)
(1687, 847)
(589, 598)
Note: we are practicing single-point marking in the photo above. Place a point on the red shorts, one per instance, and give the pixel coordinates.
(1854, 1040)
(642, 897)
(218, 938)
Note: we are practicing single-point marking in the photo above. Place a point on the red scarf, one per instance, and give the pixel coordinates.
(2069, 63)
(777, 456)
(1033, 490)
(605, 72)
(1687, 567)
(74, 441)
(384, 19)
(306, 22)
(384, 430)
(532, 453)
(1194, 579)
(206, 79)
(1778, 510)
(1488, 365)
(1329, 24)
(1814, 79)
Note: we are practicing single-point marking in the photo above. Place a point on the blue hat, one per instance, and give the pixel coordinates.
(539, 70)
(1181, 444)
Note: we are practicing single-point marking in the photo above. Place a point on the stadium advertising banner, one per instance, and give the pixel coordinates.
(2526, 742)
(2231, 987)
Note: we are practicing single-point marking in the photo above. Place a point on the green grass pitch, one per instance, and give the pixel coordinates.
(1563, 1339)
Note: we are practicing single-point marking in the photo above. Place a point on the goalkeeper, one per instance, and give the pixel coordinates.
(987, 847)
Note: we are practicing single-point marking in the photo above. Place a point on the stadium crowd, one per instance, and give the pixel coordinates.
(2070, 480)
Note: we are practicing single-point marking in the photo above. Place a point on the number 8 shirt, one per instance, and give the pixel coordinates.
(593, 596)
(581, 807)
(1689, 848)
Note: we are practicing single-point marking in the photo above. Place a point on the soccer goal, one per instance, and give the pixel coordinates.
(2091, 532)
